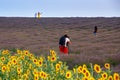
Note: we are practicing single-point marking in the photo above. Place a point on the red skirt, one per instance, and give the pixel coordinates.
(63, 49)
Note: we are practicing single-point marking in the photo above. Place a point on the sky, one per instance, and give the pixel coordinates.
(60, 8)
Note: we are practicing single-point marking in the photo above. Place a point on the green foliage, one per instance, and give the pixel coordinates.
(113, 61)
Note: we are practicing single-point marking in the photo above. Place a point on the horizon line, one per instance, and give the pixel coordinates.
(61, 17)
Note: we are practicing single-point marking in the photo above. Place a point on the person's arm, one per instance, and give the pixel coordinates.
(67, 41)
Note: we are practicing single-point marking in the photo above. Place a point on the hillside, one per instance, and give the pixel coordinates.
(41, 35)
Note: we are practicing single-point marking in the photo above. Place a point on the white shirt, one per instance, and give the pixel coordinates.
(66, 40)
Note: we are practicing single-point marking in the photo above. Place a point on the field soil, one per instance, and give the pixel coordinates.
(41, 35)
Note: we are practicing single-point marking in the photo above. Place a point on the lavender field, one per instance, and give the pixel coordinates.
(41, 35)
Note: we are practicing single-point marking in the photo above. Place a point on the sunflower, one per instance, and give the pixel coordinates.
(36, 77)
(31, 55)
(41, 74)
(19, 75)
(42, 58)
(30, 66)
(57, 66)
(34, 61)
(60, 62)
(52, 52)
(8, 68)
(26, 52)
(19, 51)
(3, 59)
(87, 74)
(12, 57)
(35, 72)
(85, 78)
(91, 78)
(19, 70)
(48, 58)
(28, 71)
(40, 63)
(84, 70)
(100, 79)
(4, 68)
(110, 78)
(68, 74)
(79, 69)
(53, 58)
(45, 65)
(5, 52)
(84, 66)
(107, 65)
(62, 72)
(23, 57)
(116, 76)
(9, 64)
(44, 75)
(104, 75)
(14, 61)
(25, 76)
(97, 68)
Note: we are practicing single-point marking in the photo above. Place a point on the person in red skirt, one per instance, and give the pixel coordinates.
(64, 44)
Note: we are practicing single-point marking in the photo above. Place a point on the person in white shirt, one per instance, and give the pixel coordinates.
(64, 44)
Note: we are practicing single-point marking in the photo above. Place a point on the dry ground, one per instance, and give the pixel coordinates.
(41, 35)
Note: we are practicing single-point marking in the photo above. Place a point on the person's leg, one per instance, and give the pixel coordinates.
(94, 33)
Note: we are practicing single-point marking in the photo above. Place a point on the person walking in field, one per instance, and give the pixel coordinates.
(38, 15)
(95, 30)
(64, 42)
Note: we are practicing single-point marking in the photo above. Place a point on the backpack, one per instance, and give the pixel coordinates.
(62, 41)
